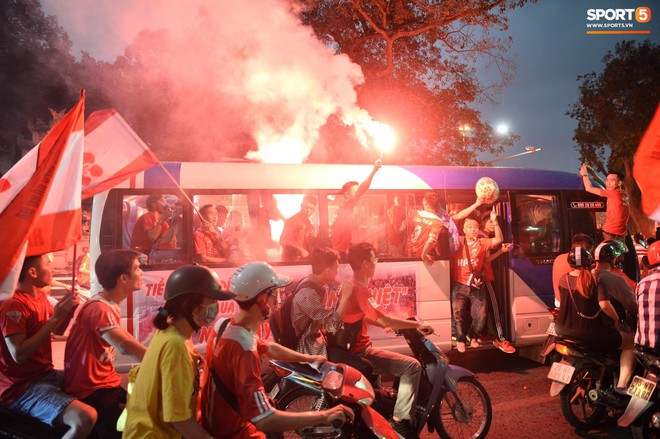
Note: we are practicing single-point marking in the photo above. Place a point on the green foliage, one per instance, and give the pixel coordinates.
(616, 105)
(419, 60)
(35, 68)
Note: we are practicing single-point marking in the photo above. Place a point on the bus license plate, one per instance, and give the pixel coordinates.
(561, 372)
(641, 388)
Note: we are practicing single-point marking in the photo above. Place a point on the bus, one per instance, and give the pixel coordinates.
(539, 211)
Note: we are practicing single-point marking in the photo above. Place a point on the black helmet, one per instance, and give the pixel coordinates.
(607, 251)
(195, 279)
(579, 257)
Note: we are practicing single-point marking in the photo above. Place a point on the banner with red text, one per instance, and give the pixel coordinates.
(393, 287)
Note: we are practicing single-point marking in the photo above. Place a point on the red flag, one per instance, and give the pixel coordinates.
(113, 152)
(645, 170)
(40, 197)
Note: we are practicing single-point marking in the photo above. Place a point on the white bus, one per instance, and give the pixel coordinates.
(539, 210)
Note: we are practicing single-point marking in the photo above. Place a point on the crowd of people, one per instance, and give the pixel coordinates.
(178, 393)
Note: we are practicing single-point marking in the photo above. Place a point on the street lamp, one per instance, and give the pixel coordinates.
(528, 150)
(464, 129)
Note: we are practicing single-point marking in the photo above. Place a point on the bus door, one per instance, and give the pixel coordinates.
(537, 232)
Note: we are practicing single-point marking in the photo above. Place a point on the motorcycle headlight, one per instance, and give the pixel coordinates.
(365, 385)
(333, 380)
(366, 401)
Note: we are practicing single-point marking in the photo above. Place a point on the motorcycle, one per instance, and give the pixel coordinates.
(643, 410)
(585, 380)
(450, 400)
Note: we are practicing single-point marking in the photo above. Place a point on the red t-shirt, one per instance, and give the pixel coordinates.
(23, 314)
(88, 359)
(359, 306)
(140, 239)
(206, 243)
(236, 361)
(341, 230)
(425, 225)
(617, 212)
(478, 253)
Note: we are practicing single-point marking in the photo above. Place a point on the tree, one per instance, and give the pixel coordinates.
(419, 59)
(35, 76)
(613, 111)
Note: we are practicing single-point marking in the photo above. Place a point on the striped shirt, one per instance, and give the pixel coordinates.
(648, 302)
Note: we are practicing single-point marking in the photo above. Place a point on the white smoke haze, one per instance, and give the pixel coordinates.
(232, 67)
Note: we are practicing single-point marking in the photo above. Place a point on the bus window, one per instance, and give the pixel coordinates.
(139, 217)
(538, 230)
(368, 220)
(297, 234)
(232, 230)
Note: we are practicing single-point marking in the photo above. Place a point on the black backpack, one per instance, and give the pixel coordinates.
(281, 322)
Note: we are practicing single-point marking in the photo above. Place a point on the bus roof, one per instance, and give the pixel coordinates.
(232, 175)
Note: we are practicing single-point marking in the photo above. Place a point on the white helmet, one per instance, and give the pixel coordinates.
(253, 278)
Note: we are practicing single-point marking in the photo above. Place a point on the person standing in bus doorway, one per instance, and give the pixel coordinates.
(29, 384)
(357, 307)
(210, 246)
(233, 401)
(152, 228)
(488, 231)
(341, 230)
(426, 227)
(95, 337)
(464, 297)
(164, 399)
(617, 213)
(298, 232)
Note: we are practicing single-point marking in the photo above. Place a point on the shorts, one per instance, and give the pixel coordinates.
(44, 399)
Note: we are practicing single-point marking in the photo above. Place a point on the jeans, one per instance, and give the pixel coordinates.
(44, 399)
(462, 298)
(406, 368)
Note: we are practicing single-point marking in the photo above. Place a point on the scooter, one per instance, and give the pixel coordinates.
(450, 399)
(585, 380)
(330, 385)
(643, 410)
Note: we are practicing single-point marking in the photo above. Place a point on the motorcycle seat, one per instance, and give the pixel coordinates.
(589, 350)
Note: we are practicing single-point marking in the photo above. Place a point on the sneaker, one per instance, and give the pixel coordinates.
(460, 346)
(504, 346)
(474, 343)
(404, 429)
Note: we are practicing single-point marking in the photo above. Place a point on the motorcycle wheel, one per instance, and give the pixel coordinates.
(578, 409)
(642, 428)
(299, 400)
(466, 413)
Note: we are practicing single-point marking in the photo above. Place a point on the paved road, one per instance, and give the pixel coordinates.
(522, 406)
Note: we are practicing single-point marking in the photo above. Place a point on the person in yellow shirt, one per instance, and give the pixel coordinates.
(164, 399)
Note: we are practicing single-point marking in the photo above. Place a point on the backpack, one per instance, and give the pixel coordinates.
(281, 322)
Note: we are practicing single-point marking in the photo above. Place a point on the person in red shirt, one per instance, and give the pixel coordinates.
(152, 230)
(426, 227)
(95, 337)
(356, 305)
(463, 296)
(29, 385)
(298, 232)
(618, 208)
(560, 265)
(341, 230)
(210, 246)
(235, 363)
